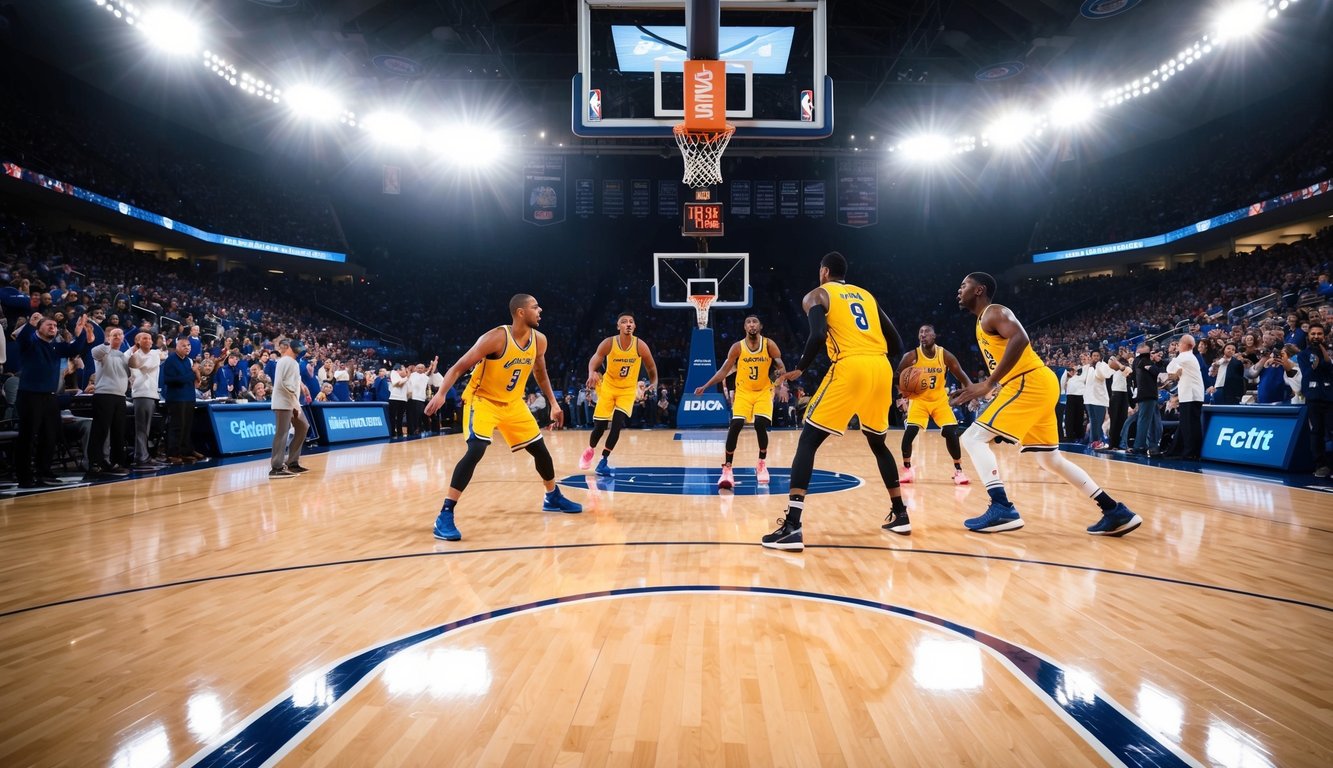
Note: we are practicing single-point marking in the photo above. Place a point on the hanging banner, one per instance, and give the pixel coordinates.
(544, 189)
(858, 192)
(813, 199)
(585, 198)
(740, 197)
(765, 199)
(613, 197)
(789, 199)
(640, 198)
(668, 198)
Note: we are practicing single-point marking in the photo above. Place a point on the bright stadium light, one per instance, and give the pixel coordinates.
(926, 148)
(1241, 19)
(314, 103)
(1071, 110)
(171, 32)
(1010, 129)
(467, 145)
(393, 129)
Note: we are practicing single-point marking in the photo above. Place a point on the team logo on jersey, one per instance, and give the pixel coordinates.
(519, 361)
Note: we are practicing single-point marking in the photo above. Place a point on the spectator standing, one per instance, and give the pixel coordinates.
(144, 363)
(287, 390)
(417, 382)
(1229, 372)
(1119, 399)
(1184, 368)
(1074, 410)
(179, 394)
(113, 381)
(42, 360)
(398, 399)
(1272, 371)
(1316, 364)
(1097, 398)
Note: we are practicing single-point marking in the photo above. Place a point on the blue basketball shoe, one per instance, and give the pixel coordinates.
(1118, 522)
(555, 501)
(444, 527)
(604, 469)
(997, 517)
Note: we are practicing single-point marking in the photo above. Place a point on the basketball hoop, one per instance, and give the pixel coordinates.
(702, 151)
(701, 304)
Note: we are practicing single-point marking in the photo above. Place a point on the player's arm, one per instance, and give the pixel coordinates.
(815, 305)
(951, 363)
(544, 382)
(779, 370)
(595, 362)
(491, 342)
(908, 361)
(649, 365)
(997, 320)
(733, 355)
(892, 338)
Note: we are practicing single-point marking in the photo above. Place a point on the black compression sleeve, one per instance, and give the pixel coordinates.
(818, 335)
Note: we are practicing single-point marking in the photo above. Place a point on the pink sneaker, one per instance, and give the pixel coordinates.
(959, 478)
(585, 461)
(906, 475)
(761, 472)
(727, 481)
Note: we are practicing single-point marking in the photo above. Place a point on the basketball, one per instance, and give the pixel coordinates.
(909, 382)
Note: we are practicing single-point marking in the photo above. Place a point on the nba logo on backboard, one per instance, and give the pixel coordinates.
(595, 104)
(807, 106)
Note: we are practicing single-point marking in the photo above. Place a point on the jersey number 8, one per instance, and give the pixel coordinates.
(859, 314)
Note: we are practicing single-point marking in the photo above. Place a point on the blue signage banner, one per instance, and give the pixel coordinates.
(1197, 228)
(345, 422)
(125, 209)
(709, 409)
(1274, 436)
(242, 428)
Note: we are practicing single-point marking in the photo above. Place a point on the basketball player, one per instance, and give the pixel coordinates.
(859, 383)
(931, 401)
(623, 354)
(752, 359)
(1023, 413)
(501, 362)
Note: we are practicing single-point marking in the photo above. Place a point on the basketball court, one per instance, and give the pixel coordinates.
(210, 617)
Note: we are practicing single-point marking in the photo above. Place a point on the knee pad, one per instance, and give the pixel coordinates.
(476, 448)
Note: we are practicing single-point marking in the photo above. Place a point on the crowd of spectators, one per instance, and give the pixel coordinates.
(54, 125)
(1179, 182)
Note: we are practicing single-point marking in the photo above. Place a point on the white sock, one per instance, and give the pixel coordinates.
(1054, 461)
(977, 441)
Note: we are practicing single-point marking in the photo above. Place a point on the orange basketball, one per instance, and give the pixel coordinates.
(909, 382)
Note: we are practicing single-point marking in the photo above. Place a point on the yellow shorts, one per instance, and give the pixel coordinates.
(922, 411)
(610, 402)
(1024, 411)
(516, 423)
(860, 386)
(750, 405)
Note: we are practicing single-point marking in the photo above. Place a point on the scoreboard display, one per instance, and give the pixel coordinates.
(702, 220)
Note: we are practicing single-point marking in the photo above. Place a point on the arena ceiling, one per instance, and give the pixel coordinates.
(893, 63)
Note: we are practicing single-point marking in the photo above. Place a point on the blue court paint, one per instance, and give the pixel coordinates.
(274, 731)
(702, 481)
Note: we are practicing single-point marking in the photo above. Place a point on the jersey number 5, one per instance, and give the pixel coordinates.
(859, 314)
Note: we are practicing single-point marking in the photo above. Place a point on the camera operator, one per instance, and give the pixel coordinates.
(1316, 366)
(1272, 371)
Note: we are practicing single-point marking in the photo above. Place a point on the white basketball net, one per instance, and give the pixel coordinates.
(701, 304)
(702, 151)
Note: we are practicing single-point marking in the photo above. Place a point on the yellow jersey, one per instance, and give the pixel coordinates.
(932, 386)
(752, 367)
(853, 322)
(504, 379)
(622, 366)
(992, 349)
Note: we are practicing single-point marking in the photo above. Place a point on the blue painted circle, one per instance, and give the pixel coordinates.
(702, 481)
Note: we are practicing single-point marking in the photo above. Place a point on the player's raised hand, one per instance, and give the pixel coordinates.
(557, 417)
(791, 375)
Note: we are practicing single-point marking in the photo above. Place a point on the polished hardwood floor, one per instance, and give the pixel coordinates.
(214, 617)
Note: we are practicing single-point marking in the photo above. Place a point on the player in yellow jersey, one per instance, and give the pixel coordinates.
(752, 359)
(501, 361)
(931, 401)
(1023, 412)
(859, 383)
(623, 354)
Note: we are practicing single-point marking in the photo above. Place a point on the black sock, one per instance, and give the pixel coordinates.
(795, 506)
(763, 454)
(449, 505)
(606, 453)
(896, 504)
(958, 467)
(907, 463)
(728, 461)
(1104, 501)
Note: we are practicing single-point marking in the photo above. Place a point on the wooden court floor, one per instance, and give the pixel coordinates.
(217, 618)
